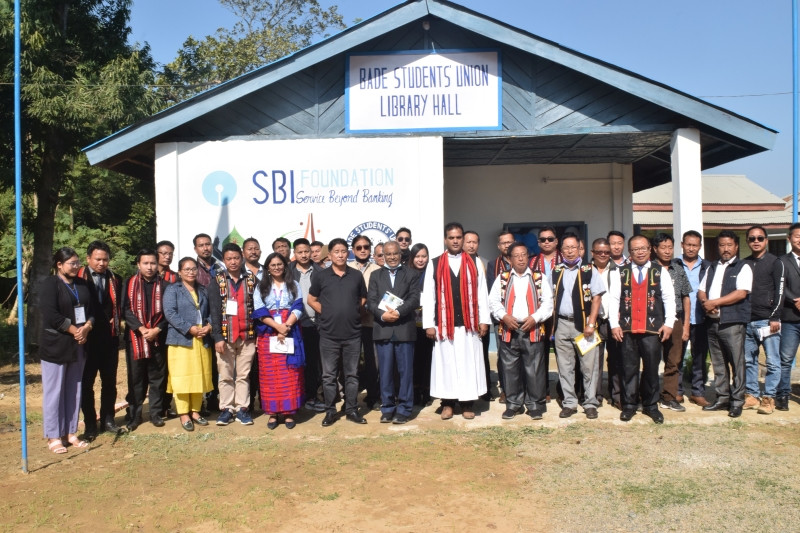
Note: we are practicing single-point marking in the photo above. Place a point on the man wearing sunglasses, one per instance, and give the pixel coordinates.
(368, 372)
(725, 295)
(765, 312)
(403, 238)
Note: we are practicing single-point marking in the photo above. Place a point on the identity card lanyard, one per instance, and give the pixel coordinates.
(80, 311)
(278, 295)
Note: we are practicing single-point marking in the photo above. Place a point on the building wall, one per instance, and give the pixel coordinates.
(483, 198)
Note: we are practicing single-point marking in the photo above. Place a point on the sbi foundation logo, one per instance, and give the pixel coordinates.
(219, 188)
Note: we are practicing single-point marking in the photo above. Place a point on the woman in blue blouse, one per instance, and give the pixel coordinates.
(277, 307)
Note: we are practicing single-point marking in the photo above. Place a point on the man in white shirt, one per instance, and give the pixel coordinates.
(724, 293)
(641, 317)
(522, 301)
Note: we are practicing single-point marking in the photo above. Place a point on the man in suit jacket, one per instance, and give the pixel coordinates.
(790, 318)
(102, 347)
(394, 332)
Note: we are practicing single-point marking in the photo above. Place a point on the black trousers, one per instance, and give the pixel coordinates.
(614, 362)
(101, 358)
(423, 353)
(644, 348)
(368, 377)
(526, 372)
(147, 378)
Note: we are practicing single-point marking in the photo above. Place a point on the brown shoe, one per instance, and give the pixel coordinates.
(679, 398)
(469, 415)
(750, 402)
(447, 412)
(699, 400)
(502, 398)
(767, 405)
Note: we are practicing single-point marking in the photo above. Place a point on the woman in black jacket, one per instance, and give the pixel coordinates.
(67, 319)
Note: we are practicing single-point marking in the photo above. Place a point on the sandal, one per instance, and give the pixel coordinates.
(57, 446)
(78, 443)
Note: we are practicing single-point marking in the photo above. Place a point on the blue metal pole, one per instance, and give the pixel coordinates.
(23, 415)
(795, 123)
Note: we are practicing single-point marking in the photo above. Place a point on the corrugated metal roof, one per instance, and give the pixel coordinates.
(717, 189)
(729, 218)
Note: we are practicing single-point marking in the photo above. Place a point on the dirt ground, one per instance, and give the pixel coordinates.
(698, 472)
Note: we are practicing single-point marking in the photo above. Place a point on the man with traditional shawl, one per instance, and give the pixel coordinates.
(166, 251)
(522, 301)
(455, 314)
(230, 298)
(145, 336)
(102, 347)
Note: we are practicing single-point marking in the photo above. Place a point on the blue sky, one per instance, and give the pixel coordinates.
(721, 50)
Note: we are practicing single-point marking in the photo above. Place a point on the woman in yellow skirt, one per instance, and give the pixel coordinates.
(188, 346)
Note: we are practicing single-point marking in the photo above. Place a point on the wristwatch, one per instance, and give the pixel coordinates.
(593, 326)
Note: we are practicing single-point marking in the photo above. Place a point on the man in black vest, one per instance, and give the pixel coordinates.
(725, 295)
(502, 263)
(764, 328)
(395, 333)
(641, 317)
(790, 317)
(574, 290)
(102, 347)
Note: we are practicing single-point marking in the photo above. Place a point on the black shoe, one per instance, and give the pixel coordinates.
(567, 412)
(290, 424)
(510, 413)
(718, 406)
(170, 413)
(90, 434)
(627, 414)
(157, 421)
(355, 417)
(591, 412)
(111, 426)
(487, 397)
(273, 422)
(329, 420)
(535, 415)
(200, 421)
(673, 405)
(400, 419)
(735, 412)
(133, 424)
(188, 425)
(655, 414)
(386, 418)
(782, 403)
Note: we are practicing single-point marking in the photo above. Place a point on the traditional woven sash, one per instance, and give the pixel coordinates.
(136, 296)
(112, 291)
(533, 297)
(536, 263)
(224, 289)
(469, 295)
(500, 266)
(169, 276)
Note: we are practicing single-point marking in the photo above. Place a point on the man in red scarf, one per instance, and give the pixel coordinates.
(145, 336)
(455, 313)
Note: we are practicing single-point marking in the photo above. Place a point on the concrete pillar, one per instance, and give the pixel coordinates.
(687, 189)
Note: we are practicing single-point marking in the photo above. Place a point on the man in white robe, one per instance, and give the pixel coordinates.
(455, 314)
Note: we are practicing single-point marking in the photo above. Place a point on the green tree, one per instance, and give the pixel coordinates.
(266, 30)
(81, 81)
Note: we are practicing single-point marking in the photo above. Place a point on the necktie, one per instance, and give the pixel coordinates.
(639, 279)
(98, 282)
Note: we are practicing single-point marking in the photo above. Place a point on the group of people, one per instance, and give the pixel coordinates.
(302, 330)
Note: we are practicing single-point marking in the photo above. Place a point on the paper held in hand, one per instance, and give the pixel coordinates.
(276, 346)
(389, 300)
(585, 345)
(764, 332)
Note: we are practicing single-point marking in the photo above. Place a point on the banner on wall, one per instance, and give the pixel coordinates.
(423, 91)
(313, 188)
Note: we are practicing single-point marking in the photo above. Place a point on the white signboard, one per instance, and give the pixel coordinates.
(423, 91)
(313, 188)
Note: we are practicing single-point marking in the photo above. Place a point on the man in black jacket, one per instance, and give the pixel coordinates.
(394, 332)
(725, 295)
(102, 347)
(764, 328)
(790, 317)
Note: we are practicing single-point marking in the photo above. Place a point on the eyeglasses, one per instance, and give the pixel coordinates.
(361, 248)
(601, 252)
(276, 266)
(189, 270)
(547, 239)
(73, 264)
(520, 256)
(506, 243)
(166, 253)
(378, 255)
(403, 239)
(756, 238)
